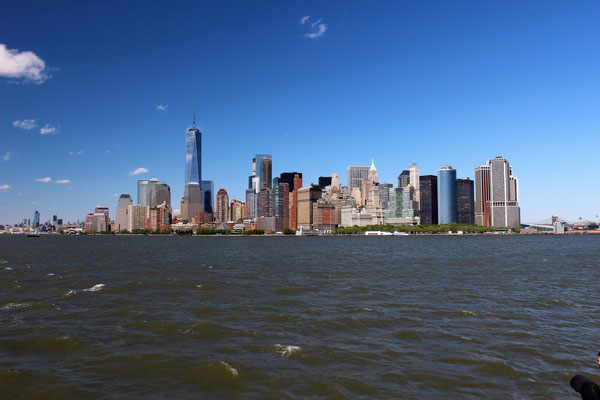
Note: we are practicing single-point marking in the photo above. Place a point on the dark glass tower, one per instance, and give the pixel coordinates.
(36, 219)
(193, 153)
(465, 201)
(429, 198)
(288, 177)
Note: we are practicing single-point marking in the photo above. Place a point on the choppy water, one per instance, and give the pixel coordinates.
(287, 317)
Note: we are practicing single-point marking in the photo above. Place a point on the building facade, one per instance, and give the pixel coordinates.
(356, 174)
(446, 195)
(124, 201)
(465, 201)
(428, 204)
(222, 208)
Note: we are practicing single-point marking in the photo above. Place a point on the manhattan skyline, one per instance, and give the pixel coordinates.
(320, 87)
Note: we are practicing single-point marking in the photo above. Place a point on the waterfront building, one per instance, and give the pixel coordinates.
(262, 167)
(192, 202)
(307, 196)
(401, 207)
(404, 178)
(237, 210)
(193, 153)
(325, 218)
(158, 192)
(504, 205)
(356, 174)
(136, 216)
(103, 211)
(159, 217)
(124, 201)
(222, 208)
(351, 216)
(142, 192)
(251, 204)
(208, 195)
(446, 195)
(274, 208)
(413, 172)
(428, 200)
(482, 194)
(384, 194)
(465, 202)
(36, 219)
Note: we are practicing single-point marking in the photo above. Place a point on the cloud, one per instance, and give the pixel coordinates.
(114, 195)
(162, 107)
(317, 29)
(5, 187)
(80, 152)
(62, 181)
(48, 129)
(46, 179)
(23, 65)
(304, 19)
(137, 171)
(7, 156)
(25, 124)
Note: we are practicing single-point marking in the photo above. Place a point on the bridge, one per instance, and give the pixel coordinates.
(543, 225)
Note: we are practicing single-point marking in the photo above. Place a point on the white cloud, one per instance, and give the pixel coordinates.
(25, 124)
(62, 181)
(23, 65)
(137, 171)
(48, 129)
(7, 156)
(107, 152)
(304, 19)
(46, 179)
(5, 187)
(80, 152)
(162, 107)
(317, 29)
(114, 195)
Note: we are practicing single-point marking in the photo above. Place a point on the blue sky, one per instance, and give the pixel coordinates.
(431, 82)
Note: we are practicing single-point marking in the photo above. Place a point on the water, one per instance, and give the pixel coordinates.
(297, 317)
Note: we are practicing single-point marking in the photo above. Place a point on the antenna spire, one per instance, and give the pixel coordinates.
(194, 125)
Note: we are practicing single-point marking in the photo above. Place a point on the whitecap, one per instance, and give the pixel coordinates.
(8, 268)
(14, 306)
(229, 368)
(70, 292)
(199, 286)
(94, 288)
(472, 313)
(286, 351)
(3, 261)
(51, 274)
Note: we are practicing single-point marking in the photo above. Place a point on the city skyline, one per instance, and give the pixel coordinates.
(306, 98)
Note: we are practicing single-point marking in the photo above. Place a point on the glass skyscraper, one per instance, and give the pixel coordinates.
(193, 155)
(36, 219)
(446, 195)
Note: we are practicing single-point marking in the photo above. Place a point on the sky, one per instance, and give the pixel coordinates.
(96, 95)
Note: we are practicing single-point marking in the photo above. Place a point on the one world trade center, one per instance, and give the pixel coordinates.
(193, 154)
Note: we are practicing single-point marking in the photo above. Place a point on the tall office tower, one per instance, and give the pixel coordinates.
(281, 202)
(251, 204)
(208, 196)
(222, 208)
(294, 201)
(413, 172)
(307, 196)
(192, 202)
(373, 175)
(335, 180)
(465, 202)
(159, 217)
(482, 194)
(36, 219)
(136, 216)
(262, 167)
(407, 205)
(514, 188)
(356, 174)
(404, 179)
(288, 177)
(446, 195)
(158, 192)
(384, 194)
(429, 199)
(503, 210)
(124, 201)
(325, 181)
(193, 153)
(142, 192)
(54, 220)
(236, 210)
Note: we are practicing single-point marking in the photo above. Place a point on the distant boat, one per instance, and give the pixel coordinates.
(35, 233)
(401, 233)
(378, 233)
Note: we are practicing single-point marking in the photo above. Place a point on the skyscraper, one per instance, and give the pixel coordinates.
(446, 195)
(142, 192)
(465, 202)
(482, 194)
(288, 177)
(504, 206)
(222, 208)
(413, 171)
(356, 174)
(192, 202)
(208, 195)
(263, 165)
(404, 179)
(428, 199)
(158, 192)
(36, 219)
(124, 201)
(193, 153)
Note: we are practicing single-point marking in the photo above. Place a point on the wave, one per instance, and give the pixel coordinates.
(95, 288)
(229, 368)
(15, 306)
(286, 351)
